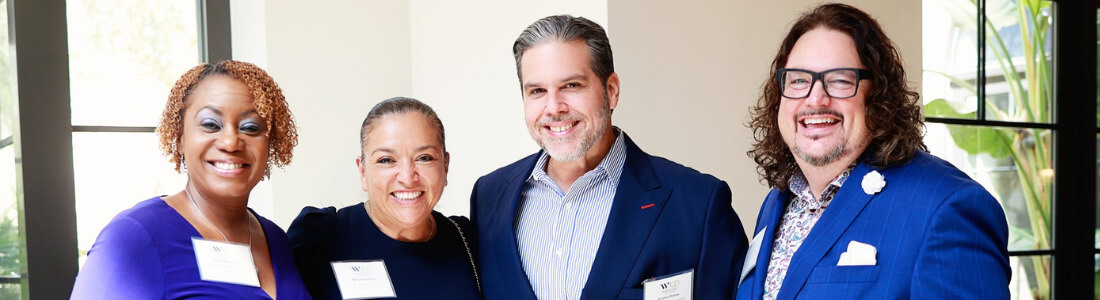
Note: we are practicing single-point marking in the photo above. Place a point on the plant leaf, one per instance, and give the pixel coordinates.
(973, 139)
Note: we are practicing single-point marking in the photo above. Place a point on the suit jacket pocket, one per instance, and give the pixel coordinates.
(851, 274)
(630, 293)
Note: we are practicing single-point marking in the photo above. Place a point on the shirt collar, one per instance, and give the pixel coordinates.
(611, 165)
(800, 188)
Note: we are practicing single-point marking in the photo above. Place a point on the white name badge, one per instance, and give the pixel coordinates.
(671, 287)
(752, 254)
(363, 279)
(225, 262)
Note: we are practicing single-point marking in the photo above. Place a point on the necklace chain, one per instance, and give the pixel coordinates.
(185, 192)
(431, 220)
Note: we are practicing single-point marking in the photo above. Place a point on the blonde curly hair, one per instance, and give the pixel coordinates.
(267, 97)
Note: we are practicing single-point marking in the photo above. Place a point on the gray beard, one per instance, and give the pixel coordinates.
(586, 142)
(841, 150)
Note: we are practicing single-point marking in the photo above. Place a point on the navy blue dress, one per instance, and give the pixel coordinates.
(146, 253)
(437, 269)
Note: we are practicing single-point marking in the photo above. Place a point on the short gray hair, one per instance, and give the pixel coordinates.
(566, 28)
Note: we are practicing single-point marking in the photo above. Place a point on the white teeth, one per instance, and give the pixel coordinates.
(818, 121)
(407, 195)
(227, 166)
(561, 128)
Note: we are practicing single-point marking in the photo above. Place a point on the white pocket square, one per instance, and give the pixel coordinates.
(858, 254)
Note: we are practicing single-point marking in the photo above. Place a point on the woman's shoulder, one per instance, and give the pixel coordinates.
(128, 253)
(460, 219)
(465, 228)
(327, 216)
(153, 207)
(316, 225)
(147, 217)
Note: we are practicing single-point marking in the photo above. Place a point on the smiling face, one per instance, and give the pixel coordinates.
(567, 108)
(224, 140)
(821, 130)
(403, 169)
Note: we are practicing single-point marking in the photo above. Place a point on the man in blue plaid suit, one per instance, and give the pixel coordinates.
(859, 209)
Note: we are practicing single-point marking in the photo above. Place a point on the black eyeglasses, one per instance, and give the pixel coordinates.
(838, 83)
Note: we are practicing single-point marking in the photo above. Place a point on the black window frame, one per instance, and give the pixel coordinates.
(1074, 204)
(44, 166)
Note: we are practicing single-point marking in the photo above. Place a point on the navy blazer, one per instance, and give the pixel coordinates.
(665, 218)
(938, 234)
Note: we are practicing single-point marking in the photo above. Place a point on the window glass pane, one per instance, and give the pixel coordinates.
(124, 56)
(1014, 164)
(11, 242)
(1096, 277)
(1017, 60)
(949, 47)
(1025, 278)
(114, 171)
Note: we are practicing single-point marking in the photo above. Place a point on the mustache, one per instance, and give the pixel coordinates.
(819, 111)
(546, 120)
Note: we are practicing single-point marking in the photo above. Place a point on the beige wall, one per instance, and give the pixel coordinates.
(463, 67)
(690, 71)
(333, 60)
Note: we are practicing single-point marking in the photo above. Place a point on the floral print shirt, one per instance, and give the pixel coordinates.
(802, 213)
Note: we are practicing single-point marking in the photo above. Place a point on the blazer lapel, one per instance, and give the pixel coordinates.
(628, 226)
(770, 216)
(842, 210)
(507, 243)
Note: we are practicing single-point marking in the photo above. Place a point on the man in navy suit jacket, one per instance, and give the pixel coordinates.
(591, 216)
(859, 209)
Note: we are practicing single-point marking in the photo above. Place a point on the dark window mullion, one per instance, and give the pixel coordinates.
(1031, 252)
(114, 129)
(1074, 204)
(48, 219)
(215, 38)
(980, 115)
(953, 121)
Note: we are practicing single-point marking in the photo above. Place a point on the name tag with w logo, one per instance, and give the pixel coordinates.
(677, 286)
(225, 262)
(363, 279)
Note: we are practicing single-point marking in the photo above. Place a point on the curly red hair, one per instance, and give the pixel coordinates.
(266, 96)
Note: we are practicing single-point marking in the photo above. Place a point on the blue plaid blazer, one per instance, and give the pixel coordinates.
(938, 235)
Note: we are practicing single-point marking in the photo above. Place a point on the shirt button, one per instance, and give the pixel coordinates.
(558, 252)
(569, 205)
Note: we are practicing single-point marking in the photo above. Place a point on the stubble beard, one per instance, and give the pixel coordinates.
(841, 150)
(587, 139)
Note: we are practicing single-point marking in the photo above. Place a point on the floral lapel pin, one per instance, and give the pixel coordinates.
(873, 182)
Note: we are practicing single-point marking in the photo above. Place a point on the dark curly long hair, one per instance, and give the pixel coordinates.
(894, 116)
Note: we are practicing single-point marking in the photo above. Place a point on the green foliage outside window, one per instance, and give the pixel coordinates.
(1030, 95)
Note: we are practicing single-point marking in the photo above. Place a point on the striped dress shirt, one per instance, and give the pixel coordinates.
(559, 233)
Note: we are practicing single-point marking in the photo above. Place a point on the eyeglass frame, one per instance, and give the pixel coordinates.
(861, 74)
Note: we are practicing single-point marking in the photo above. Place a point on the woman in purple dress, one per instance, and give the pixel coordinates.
(227, 124)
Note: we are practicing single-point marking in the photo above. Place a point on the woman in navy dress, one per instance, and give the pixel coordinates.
(227, 124)
(403, 169)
